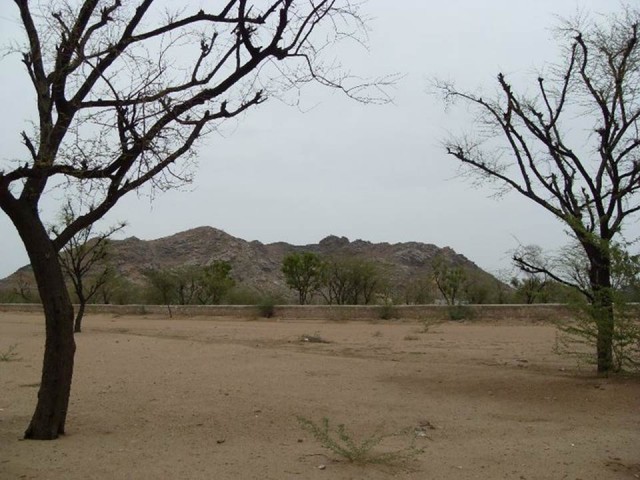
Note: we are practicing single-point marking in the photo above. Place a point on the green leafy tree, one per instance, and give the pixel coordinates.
(119, 290)
(163, 287)
(303, 273)
(525, 142)
(351, 281)
(337, 287)
(480, 289)
(367, 280)
(504, 293)
(215, 283)
(190, 284)
(530, 289)
(627, 275)
(419, 291)
(187, 283)
(450, 279)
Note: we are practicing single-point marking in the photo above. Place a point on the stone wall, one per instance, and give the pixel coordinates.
(517, 313)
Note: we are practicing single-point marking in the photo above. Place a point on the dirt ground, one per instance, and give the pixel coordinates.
(208, 398)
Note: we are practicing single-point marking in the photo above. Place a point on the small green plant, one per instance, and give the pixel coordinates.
(341, 442)
(387, 309)
(10, 354)
(427, 323)
(267, 307)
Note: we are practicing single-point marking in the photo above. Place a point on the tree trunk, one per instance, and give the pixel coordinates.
(602, 306)
(48, 421)
(78, 323)
(604, 318)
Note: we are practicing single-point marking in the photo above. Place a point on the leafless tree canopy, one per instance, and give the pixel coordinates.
(532, 143)
(125, 89)
(84, 259)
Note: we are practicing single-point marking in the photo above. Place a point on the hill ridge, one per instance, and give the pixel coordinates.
(257, 265)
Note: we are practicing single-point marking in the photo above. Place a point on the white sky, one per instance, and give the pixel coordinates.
(376, 173)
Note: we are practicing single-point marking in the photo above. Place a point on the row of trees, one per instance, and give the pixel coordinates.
(91, 278)
(190, 285)
(354, 281)
(337, 281)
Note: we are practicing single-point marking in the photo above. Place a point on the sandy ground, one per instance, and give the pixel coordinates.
(155, 398)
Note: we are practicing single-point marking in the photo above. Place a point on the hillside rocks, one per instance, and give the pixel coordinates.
(257, 265)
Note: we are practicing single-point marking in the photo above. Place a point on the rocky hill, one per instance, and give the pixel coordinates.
(257, 265)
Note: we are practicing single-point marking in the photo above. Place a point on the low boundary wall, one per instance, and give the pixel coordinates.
(527, 313)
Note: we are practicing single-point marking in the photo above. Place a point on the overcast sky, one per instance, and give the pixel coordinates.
(333, 166)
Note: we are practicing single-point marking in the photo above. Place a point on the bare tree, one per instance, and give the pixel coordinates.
(84, 260)
(528, 143)
(123, 92)
(24, 287)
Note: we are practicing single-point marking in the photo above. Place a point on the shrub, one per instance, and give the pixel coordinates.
(574, 337)
(427, 323)
(267, 307)
(387, 309)
(341, 442)
(243, 295)
(460, 312)
(10, 354)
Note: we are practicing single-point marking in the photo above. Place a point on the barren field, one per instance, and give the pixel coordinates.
(208, 398)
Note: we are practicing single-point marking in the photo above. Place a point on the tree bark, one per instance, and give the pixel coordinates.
(604, 317)
(604, 343)
(602, 306)
(77, 328)
(48, 421)
(302, 296)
